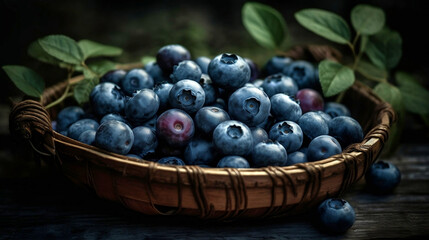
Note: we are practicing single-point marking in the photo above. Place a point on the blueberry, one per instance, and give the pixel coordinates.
(335, 109)
(171, 161)
(145, 141)
(259, 135)
(249, 105)
(303, 73)
(136, 79)
(107, 98)
(269, 153)
(175, 127)
(233, 162)
(310, 100)
(284, 107)
(254, 70)
(346, 130)
(229, 71)
(67, 116)
(322, 147)
(163, 92)
(151, 123)
(187, 95)
(325, 116)
(203, 62)
(207, 119)
(210, 90)
(114, 116)
(336, 215)
(114, 76)
(153, 69)
(87, 137)
(382, 177)
(114, 136)
(295, 158)
(81, 126)
(288, 134)
(258, 83)
(200, 152)
(186, 69)
(279, 83)
(313, 125)
(142, 106)
(233, 138)
(268, 123)
(276, 65)
(171, 55)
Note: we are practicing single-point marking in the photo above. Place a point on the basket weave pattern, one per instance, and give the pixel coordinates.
(212, 193)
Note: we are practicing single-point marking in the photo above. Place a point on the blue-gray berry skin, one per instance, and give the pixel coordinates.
(346, 130)
(229, 71)
(335, 109)
(335, 215)
(113, 116)
(313, 125)
(87, 137)
(259, 135)
(254, 70)
(107, 98)
(249, 105)
(142, 106)
(296, 157)
(233, 138)
(276, 64)
(114, 136)
(322, 147)
(186, 69)
(136, 79)
(279, 83)
(382, 177)
(207, 119)
(163, 92)
(153, 69)
(325, 116)
(171, 161)
(114, 76)
(145, 141)
(170, 55)
(288, 134)
(187, 95)
(233, 162)
(210, 90)
(269, 153)
(284, 107)
(67, 116)
(200, 152)
(303, 72)
(81, 126)
(203, 62)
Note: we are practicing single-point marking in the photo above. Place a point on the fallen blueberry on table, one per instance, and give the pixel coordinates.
(382, 177)
(335, 215)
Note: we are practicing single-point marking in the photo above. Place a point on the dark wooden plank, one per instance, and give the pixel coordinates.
(48, 207)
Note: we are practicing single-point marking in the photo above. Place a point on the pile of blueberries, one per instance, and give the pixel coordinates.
(219, 112)
(222, 112)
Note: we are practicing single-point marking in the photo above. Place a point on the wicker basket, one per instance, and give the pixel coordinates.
(213, 193)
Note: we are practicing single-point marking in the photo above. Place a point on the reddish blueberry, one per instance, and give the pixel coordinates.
(310, 100)
(175, 127)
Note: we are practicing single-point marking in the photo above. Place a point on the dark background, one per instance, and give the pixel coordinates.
(208, 28)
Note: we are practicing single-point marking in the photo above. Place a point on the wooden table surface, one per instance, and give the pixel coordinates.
(47, 206)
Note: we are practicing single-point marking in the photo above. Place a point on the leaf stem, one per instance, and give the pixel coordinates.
(66, 91)
(340, 97)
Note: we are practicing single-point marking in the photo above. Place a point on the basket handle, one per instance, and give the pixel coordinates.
(29, 121)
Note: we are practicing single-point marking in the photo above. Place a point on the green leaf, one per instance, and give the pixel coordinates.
(147, 59)
(265, 24)
(94, 49)
(334, 77)
(62, 48)
(367, 19)
(370, 71)
(390, 94)
(326, 24)
(26, 80)
(83, 89)
(384, 49)
(415, 96)
(37, 52)
(101, 67)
